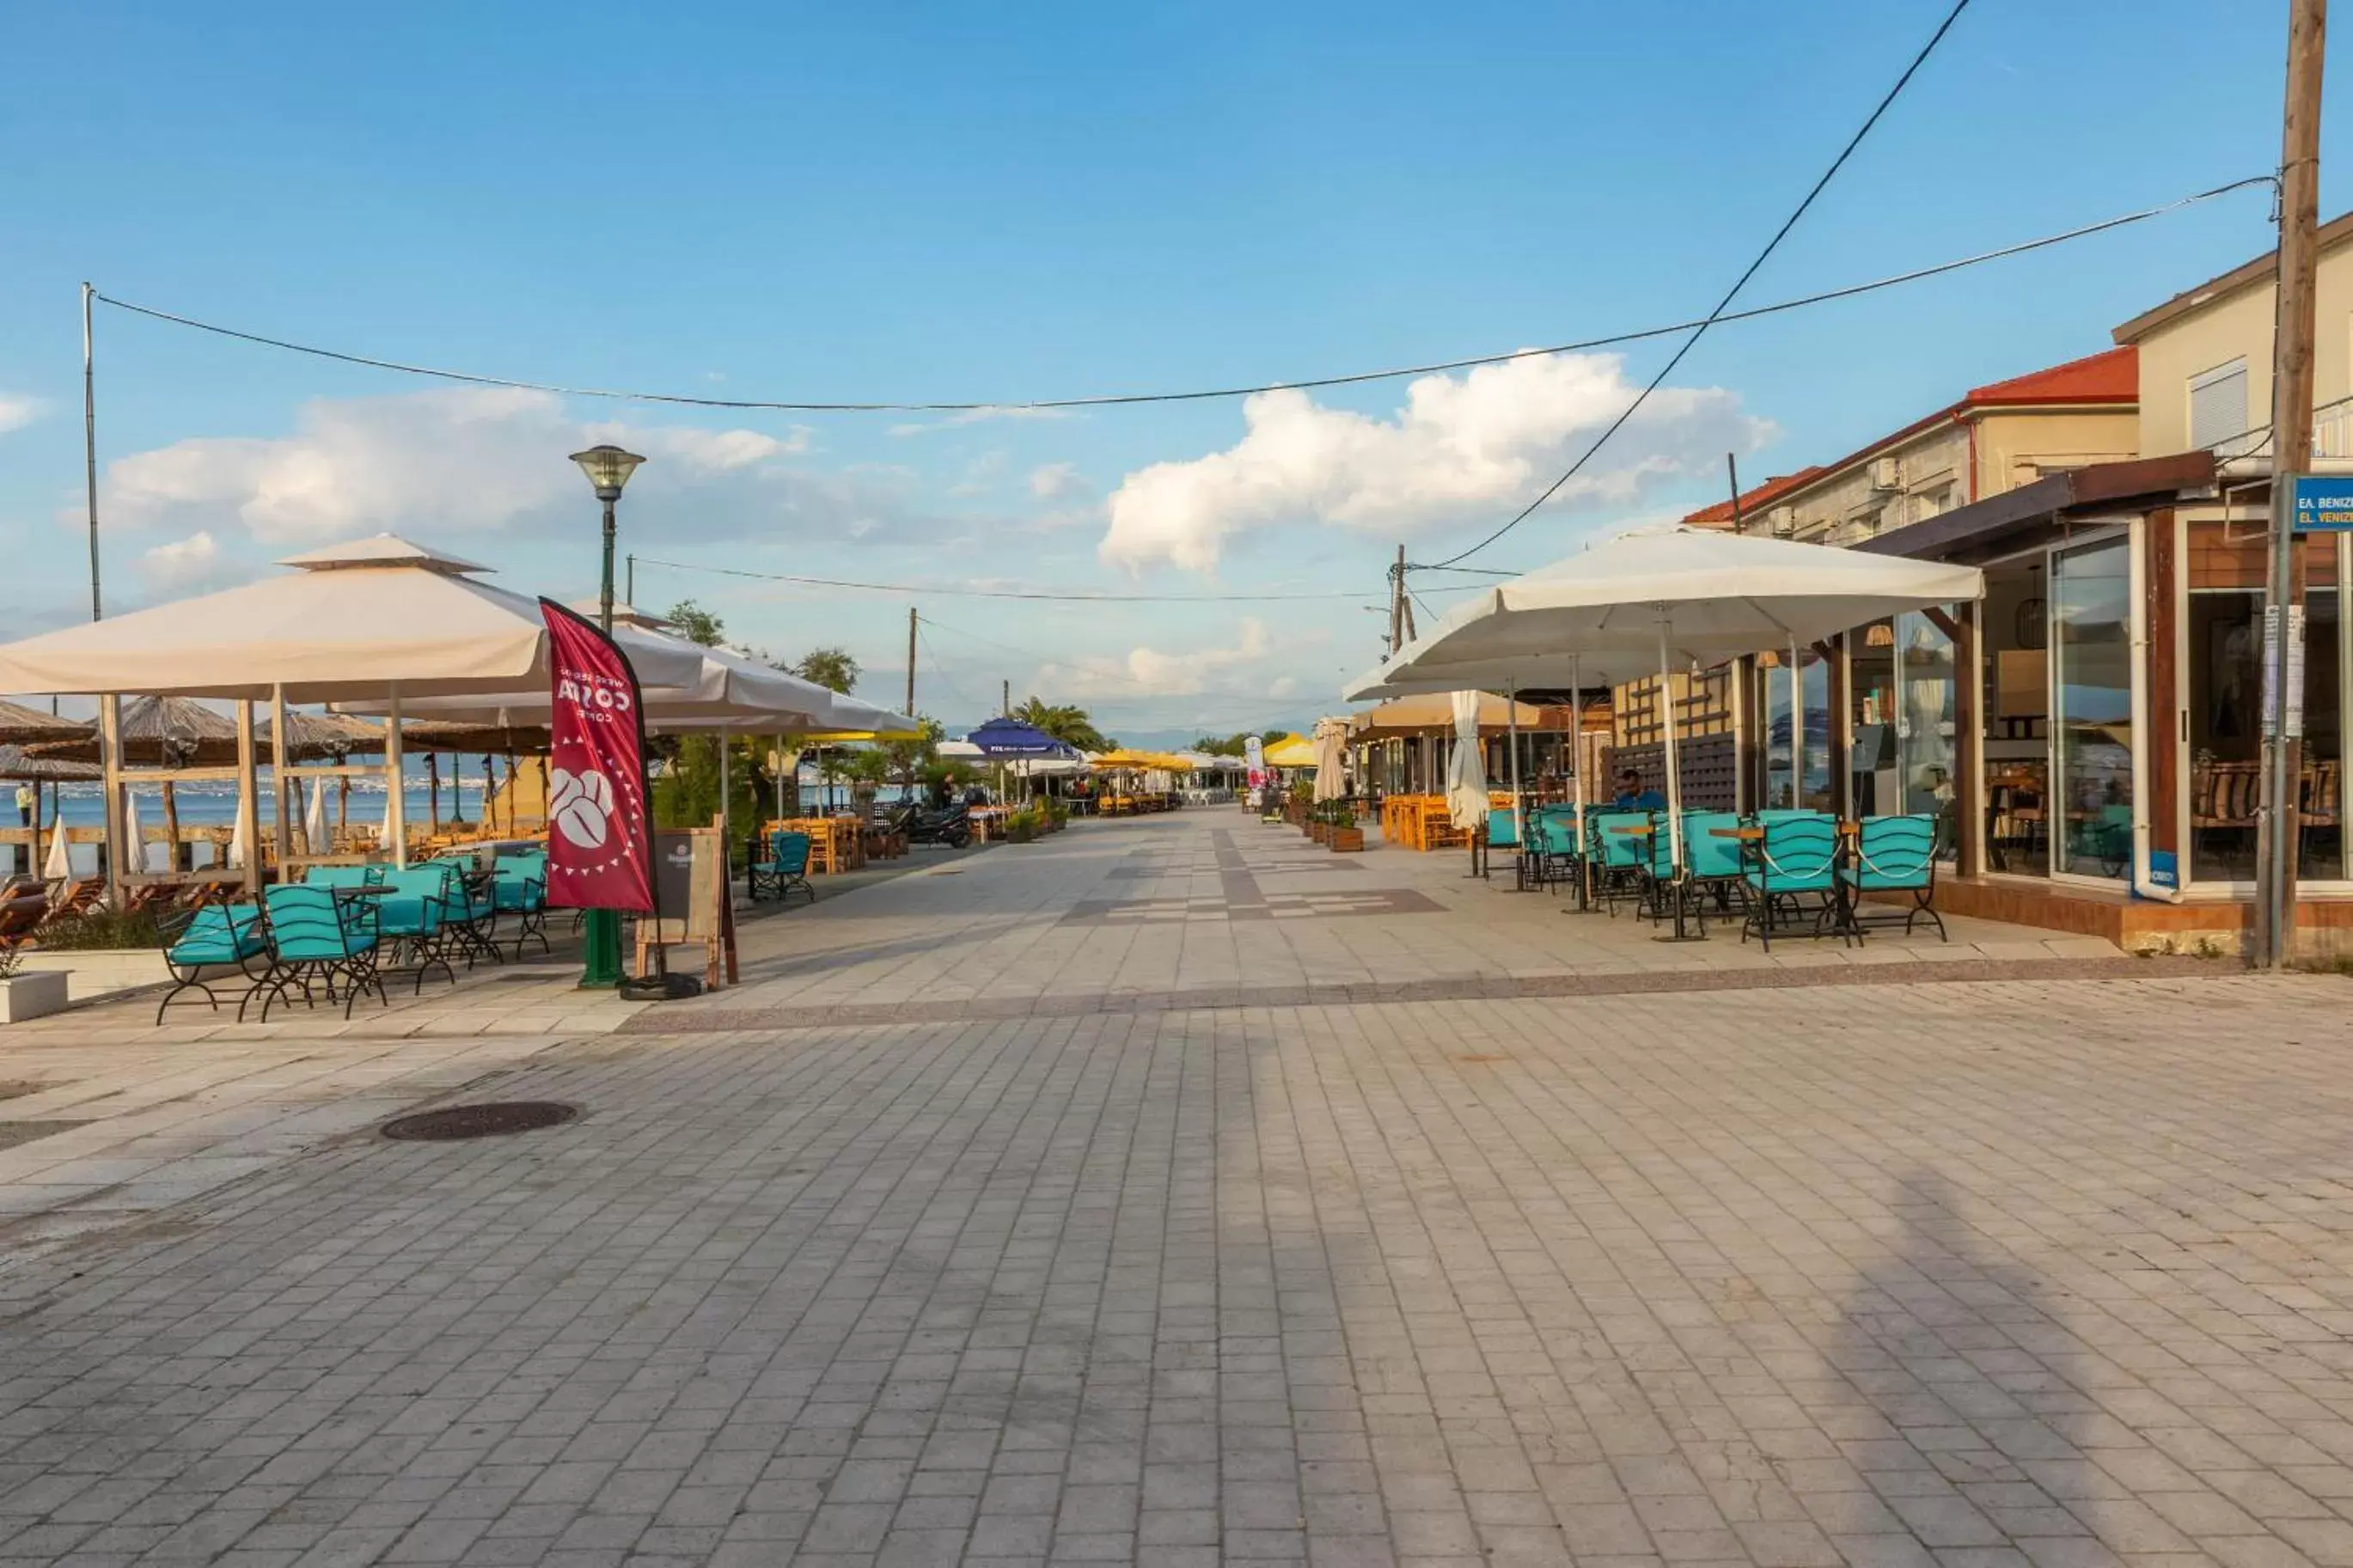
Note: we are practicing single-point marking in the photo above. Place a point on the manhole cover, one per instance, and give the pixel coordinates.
(480, 1120)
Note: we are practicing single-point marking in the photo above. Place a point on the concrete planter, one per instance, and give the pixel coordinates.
(31, 995)
(98, 972)
(1348, 840)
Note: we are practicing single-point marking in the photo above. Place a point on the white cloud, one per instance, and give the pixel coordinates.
(1145, 671)
(476, 459)
(19, 409)
(182, 565)
(964, 416)
(1462, 449)
(1058, 482)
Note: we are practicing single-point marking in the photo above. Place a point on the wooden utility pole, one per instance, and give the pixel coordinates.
(2292, 334)
(1005, 699)
(1397, 604)
(1732, 471)
(911, 661)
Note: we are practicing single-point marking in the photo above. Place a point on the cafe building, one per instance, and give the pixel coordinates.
(2089, 734)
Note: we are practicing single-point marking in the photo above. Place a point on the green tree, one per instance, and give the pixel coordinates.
(697, 624)
(831, 667)
(1067, 724)
(1223, 745)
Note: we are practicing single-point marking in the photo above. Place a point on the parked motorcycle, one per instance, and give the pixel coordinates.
(952, 827)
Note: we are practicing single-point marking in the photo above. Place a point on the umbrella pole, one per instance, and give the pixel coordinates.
(171, 827)
(396, 806)
(1674, 789)
(1512, 709)
(279, 749)
(1576, 776)
(1797, 729)
(433, 787)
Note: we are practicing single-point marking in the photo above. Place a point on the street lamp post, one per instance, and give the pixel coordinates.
(609, 470)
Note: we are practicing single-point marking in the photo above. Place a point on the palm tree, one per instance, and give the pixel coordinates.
(1069, 725)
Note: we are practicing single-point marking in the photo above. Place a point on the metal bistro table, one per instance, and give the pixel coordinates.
(1649, 833)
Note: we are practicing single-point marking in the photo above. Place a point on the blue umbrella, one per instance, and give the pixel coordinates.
(1011, 738)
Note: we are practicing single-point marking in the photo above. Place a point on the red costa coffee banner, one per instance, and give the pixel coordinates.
(599, 853)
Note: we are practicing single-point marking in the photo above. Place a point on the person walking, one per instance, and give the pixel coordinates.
(27, 799)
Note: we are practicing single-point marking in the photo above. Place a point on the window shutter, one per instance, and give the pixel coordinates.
(2218, 405)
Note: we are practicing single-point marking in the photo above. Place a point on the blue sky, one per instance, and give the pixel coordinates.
(925, 203)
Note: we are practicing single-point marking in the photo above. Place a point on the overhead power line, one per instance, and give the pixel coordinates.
(1356, 378)
(933, 590)
(1739, 284)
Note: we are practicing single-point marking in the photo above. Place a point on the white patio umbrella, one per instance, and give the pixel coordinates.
(1466, 769)
(59, 866)
(1694, 594)
(380, 618)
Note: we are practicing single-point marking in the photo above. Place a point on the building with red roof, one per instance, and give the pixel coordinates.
(1994, 439)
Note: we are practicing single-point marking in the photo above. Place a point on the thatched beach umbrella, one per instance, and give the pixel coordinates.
(22, 726)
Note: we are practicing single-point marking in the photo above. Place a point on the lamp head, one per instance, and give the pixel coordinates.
(609, 468)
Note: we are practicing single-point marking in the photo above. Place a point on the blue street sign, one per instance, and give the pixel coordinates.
(2324, 505)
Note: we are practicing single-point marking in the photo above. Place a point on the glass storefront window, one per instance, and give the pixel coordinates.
(1875, 784)
(1812, 788)
(2091, 602)
(2224, 688)
(1925, 718)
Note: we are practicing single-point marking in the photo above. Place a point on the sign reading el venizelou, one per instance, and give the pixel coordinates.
(2324, 505)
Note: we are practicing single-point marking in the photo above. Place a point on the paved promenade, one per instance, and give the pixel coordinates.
(1156, 1194)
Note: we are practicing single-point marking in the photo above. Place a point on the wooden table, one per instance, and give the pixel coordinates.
(834, 841)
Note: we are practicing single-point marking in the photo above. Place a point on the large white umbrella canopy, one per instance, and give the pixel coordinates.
(351, 622)
(1694, 594)
(1719, 594)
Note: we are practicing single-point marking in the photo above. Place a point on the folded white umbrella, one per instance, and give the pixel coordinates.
(134, 836)
(1466, 769)
(1694, 594)
(59, 865)
(1331, 759)
(315, 818)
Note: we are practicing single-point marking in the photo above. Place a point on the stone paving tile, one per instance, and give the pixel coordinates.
(1331, 1252)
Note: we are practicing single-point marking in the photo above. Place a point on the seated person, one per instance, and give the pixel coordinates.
(1632, 797)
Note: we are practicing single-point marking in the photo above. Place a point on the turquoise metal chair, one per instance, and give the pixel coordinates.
(1896, 855)
(316, 935)
(1621, 861)
(786, 868)
(472, 918)
(197, 944)
(1713, 866)
(519, 887)
(1792, 881)
(413, 920)
(1552, 854)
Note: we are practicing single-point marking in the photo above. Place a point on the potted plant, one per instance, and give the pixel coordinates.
(1021, 827)
(1346, 837)
(28, 995)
